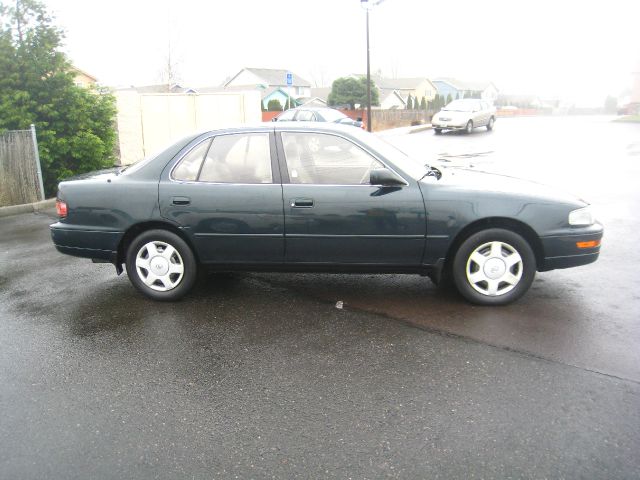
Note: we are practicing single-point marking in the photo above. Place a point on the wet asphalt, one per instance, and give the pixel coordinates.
(261, 376)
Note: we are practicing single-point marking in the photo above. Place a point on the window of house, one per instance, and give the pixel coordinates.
(322, 159)
(241, 158)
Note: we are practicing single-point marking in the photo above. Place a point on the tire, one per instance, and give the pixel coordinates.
(437, 131)
(490, 124)
(174, 273)
(494, 267)
(469, 127)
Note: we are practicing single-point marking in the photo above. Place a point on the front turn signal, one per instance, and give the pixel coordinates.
(589, 244)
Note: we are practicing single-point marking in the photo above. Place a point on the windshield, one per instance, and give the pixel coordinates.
(461, 106)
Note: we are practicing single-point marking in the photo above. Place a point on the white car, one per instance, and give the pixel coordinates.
(465, 114)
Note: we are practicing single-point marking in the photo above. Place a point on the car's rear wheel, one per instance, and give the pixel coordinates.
(437, 131)
(469, 127)
(494, 267)
(161, 265)
(490, 124)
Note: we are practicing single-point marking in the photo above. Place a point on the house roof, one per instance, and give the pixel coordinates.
(82, 72)
(399, 83)
(321, 92)
(386, 93)
(477, 86)
(162, 88)
(273, 77)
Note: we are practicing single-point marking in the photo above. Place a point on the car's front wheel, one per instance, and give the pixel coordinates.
(161, 265)
(437, 131)
(469, 127)
(490, 124)
(494, 267)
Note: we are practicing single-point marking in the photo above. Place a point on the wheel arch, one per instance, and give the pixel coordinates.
(133, 231)
(516, 226)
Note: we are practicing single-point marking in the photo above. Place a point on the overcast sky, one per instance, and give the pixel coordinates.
(580, 49)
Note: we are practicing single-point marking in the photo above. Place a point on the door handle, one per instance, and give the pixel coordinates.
(180, 200)
(302, 202)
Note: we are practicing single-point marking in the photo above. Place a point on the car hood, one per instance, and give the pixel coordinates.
(454, 115)
(498, 184)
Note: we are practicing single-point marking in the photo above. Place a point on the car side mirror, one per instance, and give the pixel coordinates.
(383, 177)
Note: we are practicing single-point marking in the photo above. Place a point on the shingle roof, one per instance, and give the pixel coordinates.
(477, 86)
(398, 83)
(275, 77)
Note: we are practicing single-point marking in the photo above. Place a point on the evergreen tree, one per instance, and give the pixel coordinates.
(75, 126)
(350, 91)
(409, 103)
(423, 104)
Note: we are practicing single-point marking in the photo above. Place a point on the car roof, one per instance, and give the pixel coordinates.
(322, 127)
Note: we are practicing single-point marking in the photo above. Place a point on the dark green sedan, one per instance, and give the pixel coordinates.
(288, 196)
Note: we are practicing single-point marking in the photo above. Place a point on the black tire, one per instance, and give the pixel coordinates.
(169, 286)
(437, 131)
(476, 282)
(490, 124)
(469, 127)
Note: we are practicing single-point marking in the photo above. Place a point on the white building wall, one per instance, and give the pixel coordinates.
(148, 123)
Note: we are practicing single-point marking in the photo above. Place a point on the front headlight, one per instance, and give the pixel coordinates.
(583, 217)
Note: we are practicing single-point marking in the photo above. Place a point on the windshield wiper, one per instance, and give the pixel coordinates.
(432, 172)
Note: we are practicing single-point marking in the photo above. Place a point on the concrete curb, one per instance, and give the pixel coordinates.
(404, 130)
(27, 208)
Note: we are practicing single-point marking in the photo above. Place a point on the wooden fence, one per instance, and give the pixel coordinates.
(19, 164)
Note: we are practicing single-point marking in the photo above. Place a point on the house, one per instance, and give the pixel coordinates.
(272, 82)
(461, 89)
(394, 92)
(417, 87)
(392, 99)
(82, 78)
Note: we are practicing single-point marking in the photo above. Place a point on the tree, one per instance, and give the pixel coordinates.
(409, 103)
(350, 91)
(423, 104)
(75, 125)
(274, 105)
(449, 99)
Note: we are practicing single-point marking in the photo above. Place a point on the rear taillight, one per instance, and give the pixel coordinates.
(61, 208)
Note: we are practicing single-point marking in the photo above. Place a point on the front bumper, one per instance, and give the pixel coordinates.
(561, 250)
(447, 125)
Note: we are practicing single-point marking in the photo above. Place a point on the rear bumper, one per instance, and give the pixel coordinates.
(561, 251)
(86, 243)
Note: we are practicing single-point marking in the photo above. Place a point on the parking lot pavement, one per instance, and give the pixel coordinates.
(250, 379)
(260, 375)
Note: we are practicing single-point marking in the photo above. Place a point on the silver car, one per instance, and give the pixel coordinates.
(465, 114)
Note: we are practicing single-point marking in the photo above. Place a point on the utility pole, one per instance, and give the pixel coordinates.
(367, 5)
(368, 79)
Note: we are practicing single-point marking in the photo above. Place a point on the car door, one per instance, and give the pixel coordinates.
(226, 194)
(333, 215)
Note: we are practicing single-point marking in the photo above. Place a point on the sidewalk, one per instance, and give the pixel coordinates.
(27, 207)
